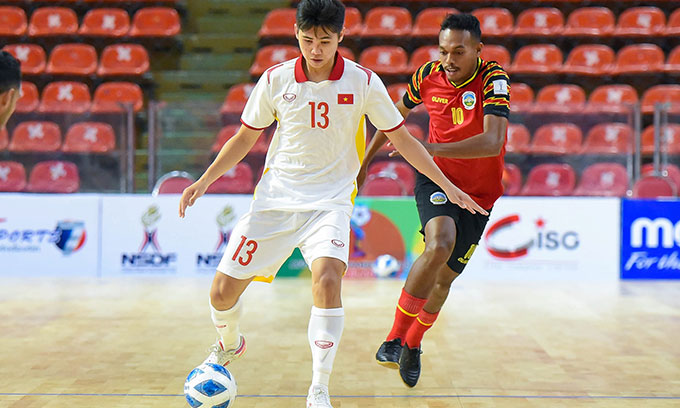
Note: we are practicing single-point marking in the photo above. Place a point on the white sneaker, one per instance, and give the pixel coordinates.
(318, 397)
(218, 355)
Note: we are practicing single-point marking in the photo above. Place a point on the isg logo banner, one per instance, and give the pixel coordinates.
(650, 239)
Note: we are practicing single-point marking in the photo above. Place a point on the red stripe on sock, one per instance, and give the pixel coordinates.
(407, 310)
(415, 333)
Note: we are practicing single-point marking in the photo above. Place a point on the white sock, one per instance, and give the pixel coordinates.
(227, 324)
(325, 330)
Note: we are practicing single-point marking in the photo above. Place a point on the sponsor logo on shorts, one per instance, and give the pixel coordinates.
(289, 97)
(438, 198)
(469, 100)
(323, 344)
(337, 243)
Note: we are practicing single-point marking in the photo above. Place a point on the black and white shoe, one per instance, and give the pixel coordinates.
(409, 365)
(389, 352)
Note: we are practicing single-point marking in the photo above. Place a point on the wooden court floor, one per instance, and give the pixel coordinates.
(130, 341)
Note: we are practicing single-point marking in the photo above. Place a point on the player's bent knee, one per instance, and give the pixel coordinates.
(223, 293)
(439, 251)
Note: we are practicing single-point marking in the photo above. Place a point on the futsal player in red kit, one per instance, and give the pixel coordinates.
(468, 101)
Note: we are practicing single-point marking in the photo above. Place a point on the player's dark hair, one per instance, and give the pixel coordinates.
(463, 22)
(10, 72)
(327, 14)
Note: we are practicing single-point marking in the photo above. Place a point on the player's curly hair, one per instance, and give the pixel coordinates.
(463, 22)
(327, 14)
(10, 72)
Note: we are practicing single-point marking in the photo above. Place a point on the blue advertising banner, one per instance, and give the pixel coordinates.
(650, 239)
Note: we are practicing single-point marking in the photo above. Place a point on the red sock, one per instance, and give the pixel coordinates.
(423, 322)
(407, 310)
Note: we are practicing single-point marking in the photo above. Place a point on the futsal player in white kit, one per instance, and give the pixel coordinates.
(306, 194)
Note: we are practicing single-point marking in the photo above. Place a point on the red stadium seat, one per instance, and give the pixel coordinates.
(278, 23)
(387, 22)
(109, 96)
(673, 61)
(591, 59)
(49, 21)
(397, 170)
(271, 55)
(382, 186)
(353, 22)
(31, 56)
(639, 58)
(608, 138)
(612, 98)
(123, 59)
(518, 139)
(89, 137)
(539, 22)
(673, 25)
(54, 177)
(155, 22)
(29, 100)
(661, 94)
(261, 146)
(238, 180)
(496, 53)
(65, 97)
(422, 55)
(641, 21)
(670, 138)
(537, 59)
(35, 137)
(385, 59)
(105, 22)
(397, 91)
(429, 21)
(4, 138)
(72, 59)
(173, 182)
(494, 21)
(550, 179)
(560, 98)
(590, 22)
(236, 98)
(557, 138)
(12, 21)
(12, 176)
(347, 53)
(671, 171)
(522, 97)
(511, 180)
(603, 179)
(654, 187)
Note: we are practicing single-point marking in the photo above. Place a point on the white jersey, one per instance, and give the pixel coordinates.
(317, 149)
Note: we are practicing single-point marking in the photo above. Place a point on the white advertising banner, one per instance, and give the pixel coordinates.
(532, 238)
(144, 234)
(49, 234)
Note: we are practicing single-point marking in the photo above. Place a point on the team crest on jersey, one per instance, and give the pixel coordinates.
(289, 97)
(438, 198)
(469, 100)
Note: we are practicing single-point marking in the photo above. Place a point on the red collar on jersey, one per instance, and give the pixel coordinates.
(336, 72)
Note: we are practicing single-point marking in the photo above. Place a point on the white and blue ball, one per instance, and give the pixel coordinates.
(210, 386)
(385, 265)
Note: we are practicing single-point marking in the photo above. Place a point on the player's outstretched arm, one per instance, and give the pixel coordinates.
(377, 141)
(486, 144)
(231, 153)
(414, 152)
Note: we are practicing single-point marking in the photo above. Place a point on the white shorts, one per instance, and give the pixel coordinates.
(261, 241)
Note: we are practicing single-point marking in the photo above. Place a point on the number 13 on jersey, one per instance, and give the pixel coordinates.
(322, 108)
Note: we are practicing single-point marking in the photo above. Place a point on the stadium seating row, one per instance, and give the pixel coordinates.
(585, 60)
(100, 22)
(52, 176)
(74, 97)
(45, 136)
(81, 60)
(238, 180)
(495, 22)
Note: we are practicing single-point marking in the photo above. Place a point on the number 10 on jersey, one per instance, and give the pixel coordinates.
(322, 107)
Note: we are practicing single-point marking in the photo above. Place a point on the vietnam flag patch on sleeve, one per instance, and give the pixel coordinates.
(345, 99)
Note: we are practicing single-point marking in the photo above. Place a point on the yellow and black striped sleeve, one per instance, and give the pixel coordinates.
(496, 90)
(412, 96)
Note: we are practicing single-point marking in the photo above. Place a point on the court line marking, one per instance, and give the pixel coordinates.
(594, 397)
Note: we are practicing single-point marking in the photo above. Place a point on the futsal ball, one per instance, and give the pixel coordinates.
(385, 265)
(210, 386)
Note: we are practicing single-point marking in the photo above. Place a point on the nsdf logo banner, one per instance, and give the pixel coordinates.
(650, 239)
